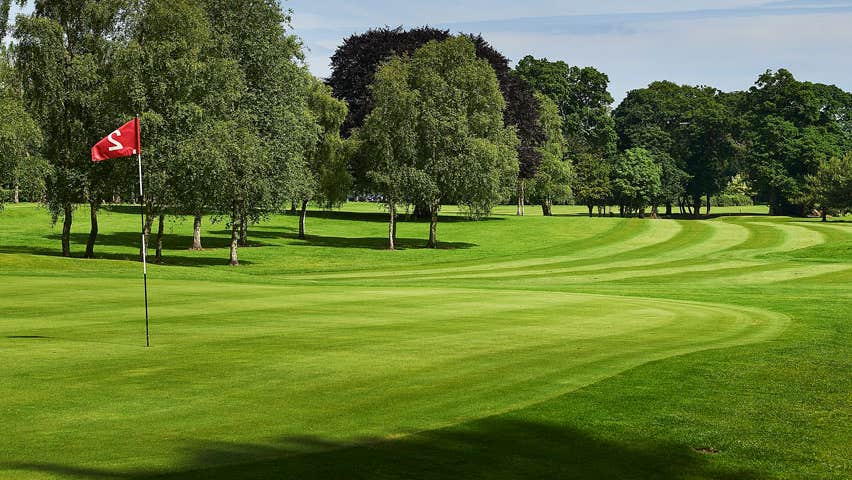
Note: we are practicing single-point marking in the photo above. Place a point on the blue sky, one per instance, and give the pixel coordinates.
(723, 43)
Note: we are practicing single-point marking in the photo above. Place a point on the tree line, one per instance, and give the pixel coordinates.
(234, 125)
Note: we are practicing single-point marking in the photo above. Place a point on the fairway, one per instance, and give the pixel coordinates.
(594, 347)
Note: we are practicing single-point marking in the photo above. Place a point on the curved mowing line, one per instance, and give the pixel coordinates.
(641, 235)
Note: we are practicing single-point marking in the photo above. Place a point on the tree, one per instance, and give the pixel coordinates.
(19, 134)
(552, 182)
(582, 98)
(792, 127)
(636, 180)
(689, 130)
(831, 186)
(275, 108)
(592, 185)
(62, 49)
(327, 177)
(356, 61)
(438, 124)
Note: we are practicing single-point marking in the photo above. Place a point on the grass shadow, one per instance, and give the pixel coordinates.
(371, 243)
(494, 448)
(382, 217)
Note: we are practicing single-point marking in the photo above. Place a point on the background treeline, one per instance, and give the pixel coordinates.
(234, 125)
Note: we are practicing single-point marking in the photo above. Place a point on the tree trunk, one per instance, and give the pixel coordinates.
(66, 230)
(708, 204)
(146, 231)
(547, 208)
(16, 197)
(696, 205)
(235, 236)
(302, 215)
(433, 228)
(668, 209)
(243, 230)
(655, 212)
(391, 225)
(773, 208)
(196, 233)
(158, 256)
(521, 199)
(824, 214)
(93, 230)
(590, 209)
(293, 207)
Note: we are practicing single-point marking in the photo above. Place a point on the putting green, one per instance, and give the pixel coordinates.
(268, 362)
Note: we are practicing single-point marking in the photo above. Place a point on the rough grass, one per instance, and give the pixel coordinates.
(567, 347)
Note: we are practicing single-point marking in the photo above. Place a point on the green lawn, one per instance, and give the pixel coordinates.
(534, 347)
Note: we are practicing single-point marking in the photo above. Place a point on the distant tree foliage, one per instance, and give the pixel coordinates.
(20, 137)
(581, 95)
(690, 131)
(636, 181)
(790, 129)
(592, 185)
(552, 182)
(830, 187)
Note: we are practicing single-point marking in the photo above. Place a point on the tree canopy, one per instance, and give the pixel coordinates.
(438, 125)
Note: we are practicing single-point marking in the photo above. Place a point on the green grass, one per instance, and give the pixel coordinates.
(559, 347)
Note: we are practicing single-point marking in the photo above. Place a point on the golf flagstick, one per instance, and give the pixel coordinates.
(144, 243)
(114, 146)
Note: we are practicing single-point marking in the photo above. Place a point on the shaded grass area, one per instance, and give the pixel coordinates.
(539, 347)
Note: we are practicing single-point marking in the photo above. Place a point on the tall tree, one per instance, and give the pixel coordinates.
(356, 61)
(552, 182)
(792, 128)
(582, 97)
(327, 176)
(254, 34)
(458, 141)
(62, 48)
(689, 131)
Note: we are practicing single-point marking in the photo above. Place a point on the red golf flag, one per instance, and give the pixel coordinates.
(123, 142)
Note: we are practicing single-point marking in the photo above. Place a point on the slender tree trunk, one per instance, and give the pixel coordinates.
(590, 209)
(93, 230)
(824, 214)
(196, 233)
(243, 230)
(773, 208)
(302, 215)
(547, 208)
(158, 255)
(146, 230)
(16, 195)
(708, 204)
(433, 227)
(66, 230)
(521, 199)
(655, 213)
(668, 209)
(293, 207)
(235, 236)
(391, 225)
